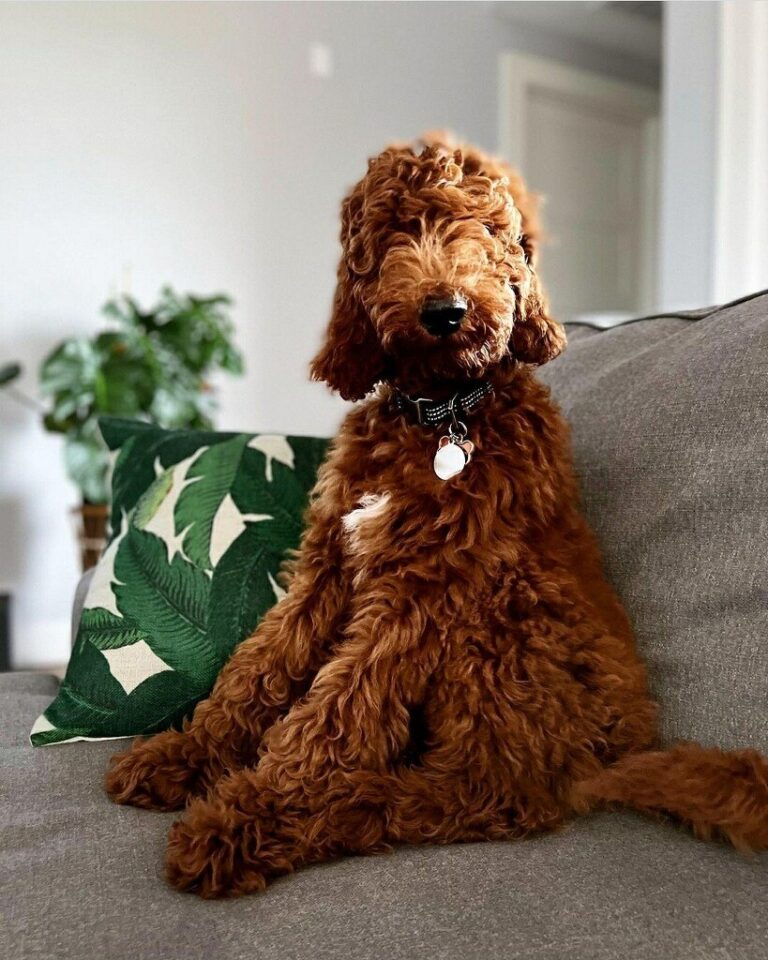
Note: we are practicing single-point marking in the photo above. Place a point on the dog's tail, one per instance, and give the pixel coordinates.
(714, 792)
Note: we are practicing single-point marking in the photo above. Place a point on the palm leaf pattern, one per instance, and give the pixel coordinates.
(105, 631)
(209, 480)
(201, 524)
(172, 597)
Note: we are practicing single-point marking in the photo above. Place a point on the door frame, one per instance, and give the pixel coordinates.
(520, 73)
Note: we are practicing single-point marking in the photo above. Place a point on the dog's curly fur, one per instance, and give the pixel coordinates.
(450, 663)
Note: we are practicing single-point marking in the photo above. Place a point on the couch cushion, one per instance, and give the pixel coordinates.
(80, 879)
(201, 524)
(670, 431)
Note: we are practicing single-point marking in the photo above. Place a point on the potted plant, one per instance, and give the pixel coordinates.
(150, 364)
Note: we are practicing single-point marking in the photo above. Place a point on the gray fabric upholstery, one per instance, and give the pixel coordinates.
(80, 879)
(43, 684)
(670, 429)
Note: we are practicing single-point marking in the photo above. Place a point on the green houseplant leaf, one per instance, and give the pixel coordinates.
(86, 460)
(9, 372)
(154, 365)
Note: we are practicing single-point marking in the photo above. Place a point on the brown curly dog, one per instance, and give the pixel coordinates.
(449, 663)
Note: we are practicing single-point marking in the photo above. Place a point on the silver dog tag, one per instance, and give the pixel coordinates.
(453, 454)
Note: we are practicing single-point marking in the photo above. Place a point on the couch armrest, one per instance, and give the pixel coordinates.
(77, 606)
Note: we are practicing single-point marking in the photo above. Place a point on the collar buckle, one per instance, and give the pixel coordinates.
(421, 416)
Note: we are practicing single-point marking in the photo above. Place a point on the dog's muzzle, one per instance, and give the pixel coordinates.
(444, 316)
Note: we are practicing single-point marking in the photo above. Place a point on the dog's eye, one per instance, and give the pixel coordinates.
(490, 229)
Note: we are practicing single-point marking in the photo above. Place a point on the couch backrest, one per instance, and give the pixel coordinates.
(670, 429)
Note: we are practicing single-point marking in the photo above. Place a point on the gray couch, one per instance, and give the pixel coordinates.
(669, 421)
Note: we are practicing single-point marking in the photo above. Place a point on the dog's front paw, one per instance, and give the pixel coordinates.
(157, 774)
(235, 840)
(214, 853)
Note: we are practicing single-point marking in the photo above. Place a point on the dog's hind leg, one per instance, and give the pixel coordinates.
(714, 792)
(327, 784)
(248, 830)
(317, 790)
(258, 824)
(264, 676)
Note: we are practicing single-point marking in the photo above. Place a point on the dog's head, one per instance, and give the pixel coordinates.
(436, 280)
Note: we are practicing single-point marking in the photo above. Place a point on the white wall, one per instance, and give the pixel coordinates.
(690, 67)
(741, 190)
(188, 143)
(714, 236)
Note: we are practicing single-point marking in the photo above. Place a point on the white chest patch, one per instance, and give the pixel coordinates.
(373, 506)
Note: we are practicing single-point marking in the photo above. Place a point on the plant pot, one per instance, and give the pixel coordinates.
(91, 530)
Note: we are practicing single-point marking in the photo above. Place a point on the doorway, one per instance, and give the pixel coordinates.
(589, 145)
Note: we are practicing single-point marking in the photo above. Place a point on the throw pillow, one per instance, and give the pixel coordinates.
(201, 523)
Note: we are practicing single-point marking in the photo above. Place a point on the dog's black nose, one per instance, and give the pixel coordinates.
(443, 316)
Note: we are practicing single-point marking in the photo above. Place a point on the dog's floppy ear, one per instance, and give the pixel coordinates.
(536, 337)
(351, 360)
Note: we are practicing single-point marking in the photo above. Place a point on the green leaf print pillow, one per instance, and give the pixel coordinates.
(201, 523)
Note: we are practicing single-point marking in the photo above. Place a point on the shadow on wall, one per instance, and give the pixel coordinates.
(11, 531)
(12, 570)
(16, 421)
(38, 555)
